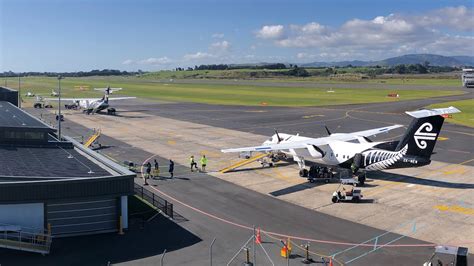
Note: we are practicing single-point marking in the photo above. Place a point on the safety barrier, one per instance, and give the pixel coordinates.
(158, 202)
(25, 239)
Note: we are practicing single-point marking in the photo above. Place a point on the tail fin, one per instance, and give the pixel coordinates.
(423, 131)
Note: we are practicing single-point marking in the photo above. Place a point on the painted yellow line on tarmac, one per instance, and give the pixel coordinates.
(455, 171)
(442, 138)
(311, 116)
(455, 209)
(171, 142)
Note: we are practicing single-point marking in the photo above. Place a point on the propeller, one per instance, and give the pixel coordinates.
(327, 130)
(278, 136)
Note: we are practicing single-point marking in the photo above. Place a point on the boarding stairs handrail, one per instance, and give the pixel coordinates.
(93, 138)
(244, 162)
(26, 239)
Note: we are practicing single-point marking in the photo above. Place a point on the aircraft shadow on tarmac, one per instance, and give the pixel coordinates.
(140, 241)
(295, 188)
(417, 180)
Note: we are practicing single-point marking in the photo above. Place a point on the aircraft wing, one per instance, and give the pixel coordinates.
(376, 131)
(104, 89)
(73, 99)
(314, 142)
(121, 98)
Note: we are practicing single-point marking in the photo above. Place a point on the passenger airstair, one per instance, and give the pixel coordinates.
(25, 239)
(244, 162)
(93, 138)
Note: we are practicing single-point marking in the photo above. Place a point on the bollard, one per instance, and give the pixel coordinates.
(247, 258)
(120, 225)
(307, 259)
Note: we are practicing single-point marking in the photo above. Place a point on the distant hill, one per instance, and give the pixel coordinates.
(433, 59)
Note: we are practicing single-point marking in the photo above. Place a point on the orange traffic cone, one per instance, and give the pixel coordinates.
(330, 262)
(258, 237)
(284, 252)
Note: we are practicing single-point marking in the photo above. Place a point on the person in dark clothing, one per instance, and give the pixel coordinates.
(193, 163)
(148, 169)
(157, 169)
(171, 168)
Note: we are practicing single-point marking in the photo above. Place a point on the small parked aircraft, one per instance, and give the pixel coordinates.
(355, 150)
(93, 105)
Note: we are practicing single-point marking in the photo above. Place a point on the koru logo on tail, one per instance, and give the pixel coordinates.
(422, 137)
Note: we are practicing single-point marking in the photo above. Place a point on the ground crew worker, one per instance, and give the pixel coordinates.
(171, 168)
(193, 163)
(203, 163)
(157, 168)
(148, 169)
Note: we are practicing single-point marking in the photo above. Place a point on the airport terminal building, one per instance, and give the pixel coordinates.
(47, 183)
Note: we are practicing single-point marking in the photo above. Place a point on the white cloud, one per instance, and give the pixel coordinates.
(218, 35)
(271, 32)
(198, 56)
(301, 55)
(128, 62)
(222, 46)
(155, 61)
(379, 37)
(459, 18)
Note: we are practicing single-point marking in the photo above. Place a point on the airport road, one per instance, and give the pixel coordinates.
(239, 205)
(455, 145)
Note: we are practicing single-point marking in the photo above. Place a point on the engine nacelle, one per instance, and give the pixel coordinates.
(315, 152)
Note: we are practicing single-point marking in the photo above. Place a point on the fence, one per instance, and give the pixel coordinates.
(21, 238)
(155, 200)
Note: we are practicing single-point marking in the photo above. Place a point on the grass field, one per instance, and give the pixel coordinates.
(466, 117)
(221, 94)
(266, 75)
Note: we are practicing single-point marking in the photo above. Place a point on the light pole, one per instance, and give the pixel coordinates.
(19, 91)
(59, 106)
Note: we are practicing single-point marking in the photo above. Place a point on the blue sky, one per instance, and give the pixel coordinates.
(47, 35)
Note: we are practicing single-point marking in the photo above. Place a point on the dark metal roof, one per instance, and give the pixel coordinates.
(46, 162)
(12, 117)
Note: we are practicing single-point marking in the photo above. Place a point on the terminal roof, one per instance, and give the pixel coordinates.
(12, 117)
(51, 162)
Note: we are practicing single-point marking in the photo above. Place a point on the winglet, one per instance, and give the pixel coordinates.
(433, 112)
(327, 130)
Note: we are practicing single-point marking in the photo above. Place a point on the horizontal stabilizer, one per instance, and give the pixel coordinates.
(433, 112)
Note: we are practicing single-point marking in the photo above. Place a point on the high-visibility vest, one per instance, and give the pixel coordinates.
(203, 160)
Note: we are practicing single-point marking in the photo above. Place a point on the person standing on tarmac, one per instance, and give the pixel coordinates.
(193, 163)
(171, 169)
(157, 168)
(148, 169)
(203, 163)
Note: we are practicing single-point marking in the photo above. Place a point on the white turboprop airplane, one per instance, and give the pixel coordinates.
(94, 105)
(355, 151)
